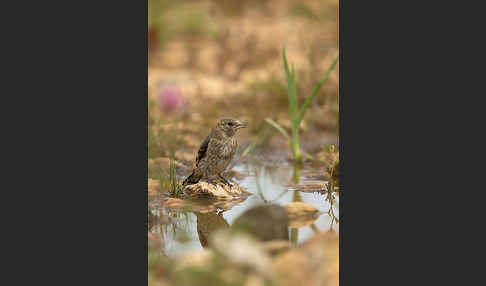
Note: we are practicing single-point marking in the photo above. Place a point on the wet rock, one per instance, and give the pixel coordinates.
(315, 262)
(217, 191)
(172, 203)
(228, 204)
(300, 208)
(211, 206)
(202, 206)
(265, 222)
(301, 214)
(309, 187)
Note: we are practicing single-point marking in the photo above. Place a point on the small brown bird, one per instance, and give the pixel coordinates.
(216, 152)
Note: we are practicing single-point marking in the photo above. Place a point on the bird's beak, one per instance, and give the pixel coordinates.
(240, 124)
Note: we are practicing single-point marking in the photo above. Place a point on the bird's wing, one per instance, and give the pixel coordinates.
(202, 150)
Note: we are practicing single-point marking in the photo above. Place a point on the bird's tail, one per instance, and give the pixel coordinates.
(193, 178)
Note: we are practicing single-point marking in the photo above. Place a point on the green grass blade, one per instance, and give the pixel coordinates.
(293, 107)
(286, 66)
(291, 88)
(278, 127)
(293, 102)
(294, 115)
(172, 176)
(309, 99)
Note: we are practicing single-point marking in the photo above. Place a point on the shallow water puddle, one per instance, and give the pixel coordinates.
(179, 232)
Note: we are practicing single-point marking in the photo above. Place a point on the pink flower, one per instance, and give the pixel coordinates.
(170, 98)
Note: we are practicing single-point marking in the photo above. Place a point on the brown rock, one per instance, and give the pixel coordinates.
(310, 187)
(217, 191)
(301, 214)
(314, 263)
(204, 206)
(300, 208)
(172, 203)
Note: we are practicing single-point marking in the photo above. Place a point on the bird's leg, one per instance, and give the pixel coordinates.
(224, 180)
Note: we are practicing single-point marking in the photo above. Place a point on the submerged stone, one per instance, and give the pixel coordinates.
(265, 222)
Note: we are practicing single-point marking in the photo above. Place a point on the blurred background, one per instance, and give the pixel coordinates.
(209, 59)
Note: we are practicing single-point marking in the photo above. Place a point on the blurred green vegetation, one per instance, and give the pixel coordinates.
(302, 10)
(180, 18)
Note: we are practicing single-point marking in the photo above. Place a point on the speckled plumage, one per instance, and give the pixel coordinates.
(216, 152)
